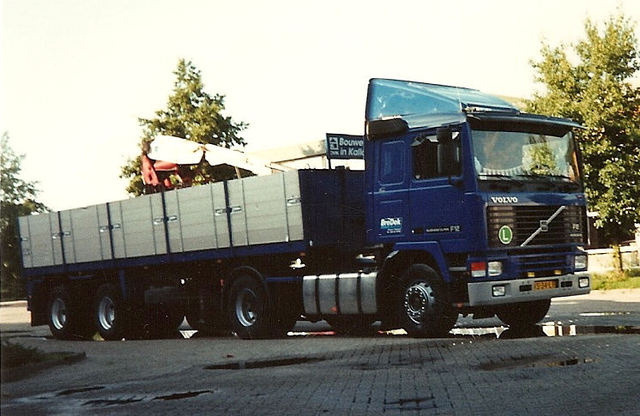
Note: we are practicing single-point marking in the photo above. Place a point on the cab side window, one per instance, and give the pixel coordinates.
(427, 158)
(391, 162)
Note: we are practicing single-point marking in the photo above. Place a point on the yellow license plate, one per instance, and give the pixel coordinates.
(545, 284)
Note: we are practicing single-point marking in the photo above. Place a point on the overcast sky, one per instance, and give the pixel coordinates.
(77, 74)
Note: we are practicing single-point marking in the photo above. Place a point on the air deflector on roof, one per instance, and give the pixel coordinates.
(393, 98)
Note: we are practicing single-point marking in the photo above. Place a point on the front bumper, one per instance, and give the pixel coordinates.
(523, 290)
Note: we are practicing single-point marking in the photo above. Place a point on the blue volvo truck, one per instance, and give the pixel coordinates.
(465, 206)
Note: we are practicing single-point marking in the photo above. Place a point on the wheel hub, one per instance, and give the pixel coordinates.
(106, 313)
(418, 300)
(246, 307)
(58, 313)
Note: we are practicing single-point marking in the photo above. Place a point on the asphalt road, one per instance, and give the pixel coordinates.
(584, 359)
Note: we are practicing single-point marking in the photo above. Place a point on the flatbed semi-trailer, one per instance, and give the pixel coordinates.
(466, 205)
(170, 246)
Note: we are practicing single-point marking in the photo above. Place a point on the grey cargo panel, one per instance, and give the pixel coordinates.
(265, 209)
(40, 240)
(262, 210)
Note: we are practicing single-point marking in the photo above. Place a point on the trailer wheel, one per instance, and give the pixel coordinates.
(66, 317)
(524, 314)
(424, 307)
(109, 312)
(248, 309)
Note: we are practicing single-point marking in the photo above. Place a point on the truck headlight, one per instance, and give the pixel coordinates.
(494, 268)
(583, 282)
(580, 262)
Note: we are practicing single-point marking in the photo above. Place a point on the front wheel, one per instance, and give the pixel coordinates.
(524, 314)
(424, 307)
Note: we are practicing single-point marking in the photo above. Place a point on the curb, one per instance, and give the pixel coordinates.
(13, 303)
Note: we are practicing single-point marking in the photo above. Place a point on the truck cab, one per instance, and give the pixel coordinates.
(490, 198)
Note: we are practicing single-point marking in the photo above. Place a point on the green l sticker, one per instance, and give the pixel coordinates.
(505, 234)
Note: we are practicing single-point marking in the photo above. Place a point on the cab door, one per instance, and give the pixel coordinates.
(390, 191)
(435, 199)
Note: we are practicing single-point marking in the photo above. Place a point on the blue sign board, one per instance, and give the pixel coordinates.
(345, 146)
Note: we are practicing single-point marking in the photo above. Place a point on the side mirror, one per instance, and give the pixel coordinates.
(390, 127)
(444, 135)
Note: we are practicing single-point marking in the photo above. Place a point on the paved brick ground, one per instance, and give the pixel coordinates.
(590, 374)
(587, 375)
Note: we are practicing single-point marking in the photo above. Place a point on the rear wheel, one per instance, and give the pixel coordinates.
(249, 310)
(109, 312)
(524, 314)
(67, 319)
(424, 307)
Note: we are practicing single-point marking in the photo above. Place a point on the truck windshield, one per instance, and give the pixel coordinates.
(525, 156)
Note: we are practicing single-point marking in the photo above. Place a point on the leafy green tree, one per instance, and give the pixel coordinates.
(592, 82)
(192, 114)
(17, 197)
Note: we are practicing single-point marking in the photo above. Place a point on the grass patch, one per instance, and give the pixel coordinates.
(16, 355)
(629, 279)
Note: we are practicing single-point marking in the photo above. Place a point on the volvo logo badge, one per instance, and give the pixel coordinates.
(544, 226)
(504, 199)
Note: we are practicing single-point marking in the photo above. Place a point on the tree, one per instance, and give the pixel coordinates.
(191, 114)
(18, 197)
(596, 90)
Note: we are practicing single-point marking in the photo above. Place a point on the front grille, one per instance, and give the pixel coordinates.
(568, 226)
(541, 264)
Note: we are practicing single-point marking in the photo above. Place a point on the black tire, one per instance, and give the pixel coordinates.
(524, 314)
(424, 306)
(249, 309)
(110, 313)
(66, 318)
(351, 325)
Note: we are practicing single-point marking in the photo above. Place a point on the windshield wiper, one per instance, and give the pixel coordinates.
(552, 179)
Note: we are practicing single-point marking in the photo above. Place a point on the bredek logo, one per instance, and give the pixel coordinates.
(504, 199)
(391, 225)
